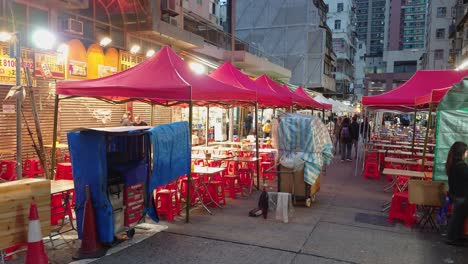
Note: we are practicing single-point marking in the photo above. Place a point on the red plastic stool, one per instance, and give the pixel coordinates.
(57, 210)
(32, 168)
(270, 175)
(184, 185)
(165, 204)
(216, 191)
(245, 178)
(371, 167)
(232, 185)
(401, 209)
(64, 171)
(7, 170)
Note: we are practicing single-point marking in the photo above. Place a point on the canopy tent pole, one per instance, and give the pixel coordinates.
(207, 133)
(189, 175)
(54, 136)
(414, 131)
(426, 138)
(256, 147)
(361, 139)
(151, 114)
(231, 124)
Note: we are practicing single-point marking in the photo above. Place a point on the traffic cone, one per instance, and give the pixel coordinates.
(36, 253)
(90, 245)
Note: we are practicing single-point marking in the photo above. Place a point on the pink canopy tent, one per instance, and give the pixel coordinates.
(230, 75)
(298, 101)
(433, 97)
(300, 91)
(284, 98)
(164, 78)
(421, 83)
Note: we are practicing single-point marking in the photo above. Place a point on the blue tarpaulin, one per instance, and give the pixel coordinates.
(171, 157)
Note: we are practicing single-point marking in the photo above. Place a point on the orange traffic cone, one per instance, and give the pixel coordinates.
(90, 245)
(36, 253)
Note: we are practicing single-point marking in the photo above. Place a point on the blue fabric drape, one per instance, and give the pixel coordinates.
(171, 157)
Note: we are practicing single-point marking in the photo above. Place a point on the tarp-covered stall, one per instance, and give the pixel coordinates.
(452, 125)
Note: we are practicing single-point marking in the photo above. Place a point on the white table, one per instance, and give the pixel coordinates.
(210, 172)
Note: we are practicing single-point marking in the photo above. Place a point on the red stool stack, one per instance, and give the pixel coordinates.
(57, 211)
(7, 170)
(231, 180)
(64, 171)
(32, 168)
(371, 166)
(401, 209)
(216, 190)
(245, 178)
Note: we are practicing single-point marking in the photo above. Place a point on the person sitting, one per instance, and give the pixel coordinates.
(266, 129)
(457, 172)
(139, 122)
(126, 119)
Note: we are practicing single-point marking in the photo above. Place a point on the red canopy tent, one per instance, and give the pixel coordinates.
(433, 97)
(284, 98)
(230, 75)
(164, 78)
(421, 83)
(300, 91)
(298, 101)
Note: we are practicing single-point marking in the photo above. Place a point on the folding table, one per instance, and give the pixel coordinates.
(63, 187)
(209, 171)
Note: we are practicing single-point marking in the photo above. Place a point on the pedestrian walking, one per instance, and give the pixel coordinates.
(346, 140)
(248, 120)
(336, 132)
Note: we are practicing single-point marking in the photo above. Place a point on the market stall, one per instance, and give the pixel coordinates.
(174, 84)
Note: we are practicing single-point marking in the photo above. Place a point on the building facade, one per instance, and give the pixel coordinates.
(341, 18)
(294, 32)
(359, 69)
(371, 25)
(458, 34)
(405, 44)
(98, 38)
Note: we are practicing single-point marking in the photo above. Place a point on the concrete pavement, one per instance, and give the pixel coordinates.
(345, 225)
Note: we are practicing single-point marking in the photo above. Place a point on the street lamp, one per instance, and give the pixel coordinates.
(462, 66)
(105, 41)
(150, 53)
(135, 49)
(43, 39)
(197, 68)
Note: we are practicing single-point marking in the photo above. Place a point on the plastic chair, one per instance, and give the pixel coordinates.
(32, 168)
(216, 190)
(7, 170)
(371, 166)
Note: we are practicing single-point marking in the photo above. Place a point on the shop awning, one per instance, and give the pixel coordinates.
(312, 102)
(421, 83)
(230, 75)
(284, 98)
(163, 78)
(433, 97)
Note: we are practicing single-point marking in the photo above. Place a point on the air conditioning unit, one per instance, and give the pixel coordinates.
(170, 7)
(74, 26)
(173, 21)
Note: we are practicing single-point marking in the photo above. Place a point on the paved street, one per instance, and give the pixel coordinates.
(344, 226)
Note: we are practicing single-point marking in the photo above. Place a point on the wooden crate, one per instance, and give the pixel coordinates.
(15, 202)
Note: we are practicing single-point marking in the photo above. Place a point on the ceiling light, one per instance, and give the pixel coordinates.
(105, 41)
(43, 39)
(135, 49)
(150, 53)
(197, 68)
(5, 36)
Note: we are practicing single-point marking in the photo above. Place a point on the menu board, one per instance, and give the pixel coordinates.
(8, 65)
(128, 60)
(77, 68)
(49, 65)
(104, 70)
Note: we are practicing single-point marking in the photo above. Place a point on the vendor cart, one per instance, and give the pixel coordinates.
(305, 148)
(114, 162)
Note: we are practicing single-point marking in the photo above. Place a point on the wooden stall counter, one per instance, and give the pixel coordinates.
(15, 201)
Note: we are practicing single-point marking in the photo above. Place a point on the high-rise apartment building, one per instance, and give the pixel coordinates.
(371, 25)
(341, 19)
(439, 19)
(295, 32)
(458, 34)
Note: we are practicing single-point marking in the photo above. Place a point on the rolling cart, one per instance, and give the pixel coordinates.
(114, 162)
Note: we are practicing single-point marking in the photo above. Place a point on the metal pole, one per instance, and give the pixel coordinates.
(189, 176)
(231, 124)
(54, 136)
(19, 165)
(426, 138)
(256, 146)
(207, 125)
(323, 115)
(152, 115)
(414, 131)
